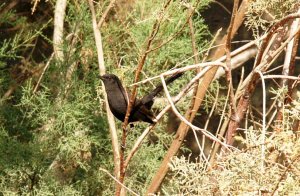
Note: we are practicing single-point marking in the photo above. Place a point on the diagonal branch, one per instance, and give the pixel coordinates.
(228, 61)
(104, 15)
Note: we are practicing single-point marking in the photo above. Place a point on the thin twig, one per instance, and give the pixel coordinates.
(117, 181)
(284, 174)
(264, 65)
(222, 6)
(193, 38)
(263, 133)
(184, 69)
(104, 15)
(42, 74)
(282, 77)
(221, 59)
(270, 34)
(206, 133)
(232, 101)
(220, 131)
(194, 128)
(196, 60)
(176, 33)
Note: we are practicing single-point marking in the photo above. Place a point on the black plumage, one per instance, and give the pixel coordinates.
(118, 99)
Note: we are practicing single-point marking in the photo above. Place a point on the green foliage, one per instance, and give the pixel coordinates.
(127, 39)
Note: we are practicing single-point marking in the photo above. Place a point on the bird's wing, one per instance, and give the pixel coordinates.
(124, 92)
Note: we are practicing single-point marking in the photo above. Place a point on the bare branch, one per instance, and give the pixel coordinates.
(59, 16)
(110, 117)
(206, 133)
(228, 61)
(104, 15)
(42, 74)
(117, 181)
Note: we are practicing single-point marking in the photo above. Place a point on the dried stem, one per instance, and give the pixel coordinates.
(110, 117)
(42, 74)
(228, 62)
(288, 69)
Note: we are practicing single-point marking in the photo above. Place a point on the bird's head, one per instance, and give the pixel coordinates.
(109, 79)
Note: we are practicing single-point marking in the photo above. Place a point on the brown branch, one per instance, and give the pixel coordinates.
(291, 87)
(232, 101)
(110, 117)
(244, 100)
(284, 174)
(155, 29)
(104, 15)
(270, 34)
(222, 6)
(288, 70)
(190, 114)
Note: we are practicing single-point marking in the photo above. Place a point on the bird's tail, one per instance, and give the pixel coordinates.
(148, 99)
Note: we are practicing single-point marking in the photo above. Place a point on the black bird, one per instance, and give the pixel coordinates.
(118, 99)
